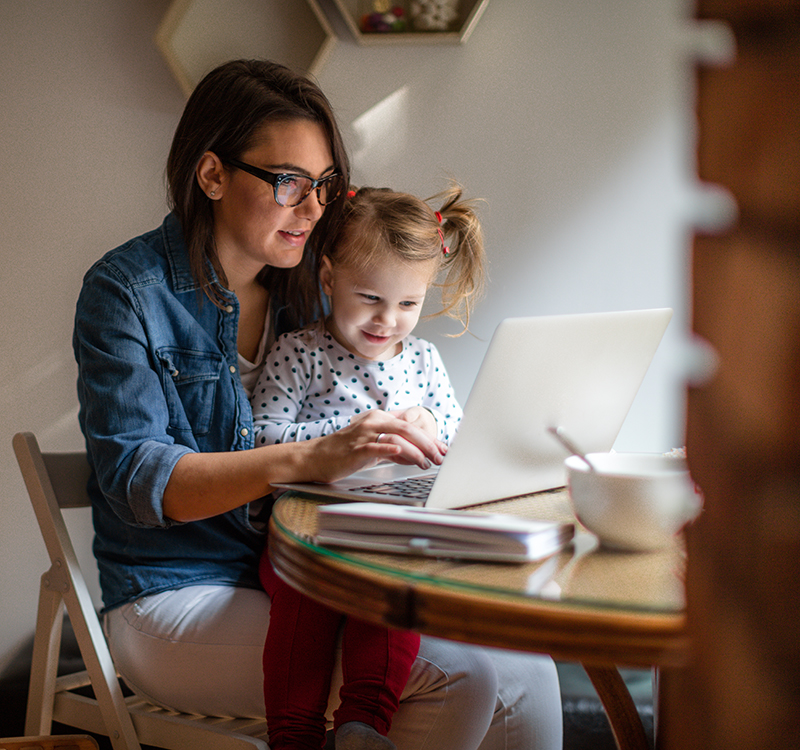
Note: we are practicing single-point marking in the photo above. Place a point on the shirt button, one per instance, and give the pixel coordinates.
(229, 308)
(232, 369)
(243, 432)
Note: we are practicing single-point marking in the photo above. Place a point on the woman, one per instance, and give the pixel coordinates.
(170, 335)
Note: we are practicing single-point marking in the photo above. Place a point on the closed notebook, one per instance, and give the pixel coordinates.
(440, 533)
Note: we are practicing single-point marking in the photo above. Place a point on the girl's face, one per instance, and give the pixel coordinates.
(250, 228)
(373, 310)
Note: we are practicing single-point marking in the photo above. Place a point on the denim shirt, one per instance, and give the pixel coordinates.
(157, 379)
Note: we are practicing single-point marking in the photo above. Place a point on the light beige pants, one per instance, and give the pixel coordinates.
(199, 649)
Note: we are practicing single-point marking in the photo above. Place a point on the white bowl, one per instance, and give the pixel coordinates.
(633, 501)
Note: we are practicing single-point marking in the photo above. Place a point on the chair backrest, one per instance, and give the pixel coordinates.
(68, 474)
(54, 481)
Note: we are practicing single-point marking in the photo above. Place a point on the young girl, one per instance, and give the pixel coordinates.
(386, 252)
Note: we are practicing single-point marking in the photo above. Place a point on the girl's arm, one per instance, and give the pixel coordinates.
(439, 413)
(440, 397)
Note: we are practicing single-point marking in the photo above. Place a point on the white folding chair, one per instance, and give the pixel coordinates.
(55, 481)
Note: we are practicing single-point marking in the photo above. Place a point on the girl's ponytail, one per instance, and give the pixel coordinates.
(463, 255)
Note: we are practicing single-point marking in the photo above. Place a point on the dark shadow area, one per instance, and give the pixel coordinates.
(585, 724)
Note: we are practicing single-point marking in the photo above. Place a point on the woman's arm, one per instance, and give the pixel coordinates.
(164, 422)
(206, 484)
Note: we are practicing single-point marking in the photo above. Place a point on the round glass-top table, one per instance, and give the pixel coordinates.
(599, 607)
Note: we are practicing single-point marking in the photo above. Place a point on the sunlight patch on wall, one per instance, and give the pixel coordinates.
(381, 136)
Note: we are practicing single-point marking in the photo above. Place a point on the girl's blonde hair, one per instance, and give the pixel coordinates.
(375, 221)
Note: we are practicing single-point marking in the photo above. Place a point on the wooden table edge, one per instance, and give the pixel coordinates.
(572, 632)
(600, 640)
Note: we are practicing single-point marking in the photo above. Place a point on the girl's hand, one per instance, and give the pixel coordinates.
(420, 417)
(371, 437)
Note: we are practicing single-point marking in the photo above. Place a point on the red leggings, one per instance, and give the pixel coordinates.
(299, 657)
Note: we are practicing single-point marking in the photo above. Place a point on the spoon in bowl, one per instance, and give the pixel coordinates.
(558, 433)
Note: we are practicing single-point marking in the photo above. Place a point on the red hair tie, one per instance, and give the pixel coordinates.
(351, 193)
(445, 249)
(438, 216)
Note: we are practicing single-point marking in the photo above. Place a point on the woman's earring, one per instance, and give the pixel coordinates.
(213, 193)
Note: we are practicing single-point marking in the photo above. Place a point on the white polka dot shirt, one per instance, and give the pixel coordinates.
(311, 386)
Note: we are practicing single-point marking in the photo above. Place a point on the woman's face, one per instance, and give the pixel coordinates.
(250, 228)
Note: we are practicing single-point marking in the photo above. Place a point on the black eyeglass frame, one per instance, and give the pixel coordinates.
(277, 178)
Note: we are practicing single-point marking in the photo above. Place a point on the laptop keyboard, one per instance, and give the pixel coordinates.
(413, 488)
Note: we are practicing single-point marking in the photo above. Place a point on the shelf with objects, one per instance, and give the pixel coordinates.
(411, 21)
(197, 35)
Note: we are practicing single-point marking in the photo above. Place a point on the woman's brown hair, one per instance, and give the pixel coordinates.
(224, 115)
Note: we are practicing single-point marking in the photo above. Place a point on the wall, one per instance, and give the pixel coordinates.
(568, 119)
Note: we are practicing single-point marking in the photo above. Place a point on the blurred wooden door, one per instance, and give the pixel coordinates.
(742, 688)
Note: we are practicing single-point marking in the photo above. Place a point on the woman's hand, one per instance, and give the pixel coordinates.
(370, 437)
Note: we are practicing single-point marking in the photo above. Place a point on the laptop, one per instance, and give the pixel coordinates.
(580, 372)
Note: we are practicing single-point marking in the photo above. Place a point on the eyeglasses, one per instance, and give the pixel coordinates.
(292, 189)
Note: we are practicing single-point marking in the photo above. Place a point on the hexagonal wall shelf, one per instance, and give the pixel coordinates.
(468, 12)
(196, 35)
